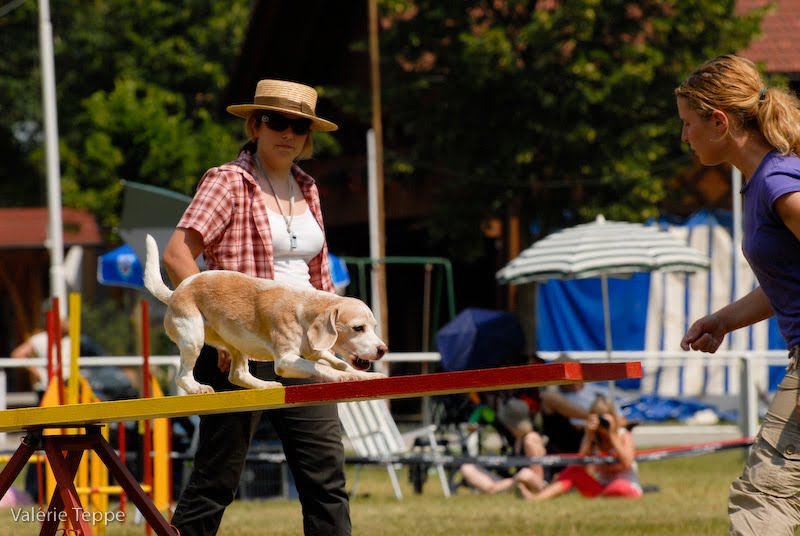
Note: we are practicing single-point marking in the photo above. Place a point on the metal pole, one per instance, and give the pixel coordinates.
(748, 398)
(3, 400)
(738, 336)
(426, 308)
(607, 327)
(376, 163)
(606, 315)
(426, 337)
(376, 251)
(55, 241)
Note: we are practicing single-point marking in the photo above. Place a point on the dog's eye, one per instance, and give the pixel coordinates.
(358, 328)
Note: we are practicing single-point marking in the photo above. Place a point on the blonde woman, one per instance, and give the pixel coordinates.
(604, 434)
(731, 116)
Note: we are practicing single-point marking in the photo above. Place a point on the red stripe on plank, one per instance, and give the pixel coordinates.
(463, 381)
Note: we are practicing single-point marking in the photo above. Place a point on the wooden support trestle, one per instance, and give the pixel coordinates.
(64, 452)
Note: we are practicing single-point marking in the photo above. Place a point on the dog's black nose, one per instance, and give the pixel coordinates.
(382, 349)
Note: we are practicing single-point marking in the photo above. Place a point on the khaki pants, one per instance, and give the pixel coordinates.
(765, 499)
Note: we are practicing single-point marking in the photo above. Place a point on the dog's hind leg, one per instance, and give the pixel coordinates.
(185, 379)
(240, 374)
(187, 332)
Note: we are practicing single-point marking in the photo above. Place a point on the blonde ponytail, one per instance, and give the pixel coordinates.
(733, 84)
(779, 120)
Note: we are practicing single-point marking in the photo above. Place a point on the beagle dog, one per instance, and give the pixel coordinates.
(300, 329)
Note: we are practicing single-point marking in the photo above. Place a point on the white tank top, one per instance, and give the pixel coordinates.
(291, 265)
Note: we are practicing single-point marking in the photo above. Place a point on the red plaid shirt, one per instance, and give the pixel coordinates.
(231, 216)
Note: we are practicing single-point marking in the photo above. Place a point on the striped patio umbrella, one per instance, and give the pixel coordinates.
(602, 249)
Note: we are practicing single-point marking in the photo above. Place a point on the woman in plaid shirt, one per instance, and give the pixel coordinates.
(260, 215)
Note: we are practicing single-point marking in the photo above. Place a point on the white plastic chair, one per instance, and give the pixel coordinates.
(373, 433)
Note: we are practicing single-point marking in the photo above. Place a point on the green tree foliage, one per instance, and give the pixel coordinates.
(139, 132)
(138, 85)
(19, 176)
(563, 109)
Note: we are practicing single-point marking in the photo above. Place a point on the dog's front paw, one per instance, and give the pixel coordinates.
(201, 390)
(345, 377)
(194, 388)
(338, 364)
(270, 385)
(361, 375)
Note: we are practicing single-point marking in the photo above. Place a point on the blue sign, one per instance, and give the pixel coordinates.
(121, 268)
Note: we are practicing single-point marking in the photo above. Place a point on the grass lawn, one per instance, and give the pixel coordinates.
(691, 502)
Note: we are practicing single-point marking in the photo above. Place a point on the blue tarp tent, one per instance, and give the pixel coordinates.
(653, 311)
(570, 314)
(339, 273)
(481, 338)
(120, 267)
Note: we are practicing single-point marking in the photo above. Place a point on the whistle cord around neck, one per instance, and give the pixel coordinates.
(288, 220)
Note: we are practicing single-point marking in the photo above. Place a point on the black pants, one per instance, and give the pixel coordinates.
(563, 436)
(312, 441)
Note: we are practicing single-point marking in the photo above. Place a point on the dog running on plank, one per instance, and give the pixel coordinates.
(302, 330)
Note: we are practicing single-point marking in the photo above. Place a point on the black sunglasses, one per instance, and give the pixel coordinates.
(279, 123)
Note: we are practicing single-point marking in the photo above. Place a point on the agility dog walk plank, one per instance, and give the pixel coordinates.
(72, 415)
(66, 502)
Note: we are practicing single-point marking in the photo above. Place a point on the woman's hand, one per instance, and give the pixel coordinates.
(705, 335)
(592, 423)
(589, 433)
(613, 426)
(34, 374)
(223, 359)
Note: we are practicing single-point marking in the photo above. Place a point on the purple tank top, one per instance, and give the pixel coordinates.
(770, 248)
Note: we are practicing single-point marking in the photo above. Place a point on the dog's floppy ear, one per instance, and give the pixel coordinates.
(322, 332)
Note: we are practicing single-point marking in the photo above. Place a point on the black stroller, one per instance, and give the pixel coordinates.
(476, 339)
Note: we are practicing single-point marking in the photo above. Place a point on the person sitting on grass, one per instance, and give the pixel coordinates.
(604, 435)
(513, 415)
(564, 409)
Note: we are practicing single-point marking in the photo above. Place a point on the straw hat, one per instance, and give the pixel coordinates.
(515, 415)
(288, 97)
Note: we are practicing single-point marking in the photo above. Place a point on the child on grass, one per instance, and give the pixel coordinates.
(603, 435)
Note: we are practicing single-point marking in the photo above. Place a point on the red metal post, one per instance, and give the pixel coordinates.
(51, 336)
(147, 446)
(121, 440)
(62, 396)
(146, 348)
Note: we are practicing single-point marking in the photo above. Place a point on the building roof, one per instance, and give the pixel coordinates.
(777, 47)
(27, 228)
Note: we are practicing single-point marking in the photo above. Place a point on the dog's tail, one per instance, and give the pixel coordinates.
(152, 273)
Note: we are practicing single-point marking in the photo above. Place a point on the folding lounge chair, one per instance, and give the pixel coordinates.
(373, 433)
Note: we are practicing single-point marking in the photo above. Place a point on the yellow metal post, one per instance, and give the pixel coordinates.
(161, 456)
(75, 346)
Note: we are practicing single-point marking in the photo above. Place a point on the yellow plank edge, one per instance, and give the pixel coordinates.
(71, 415)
